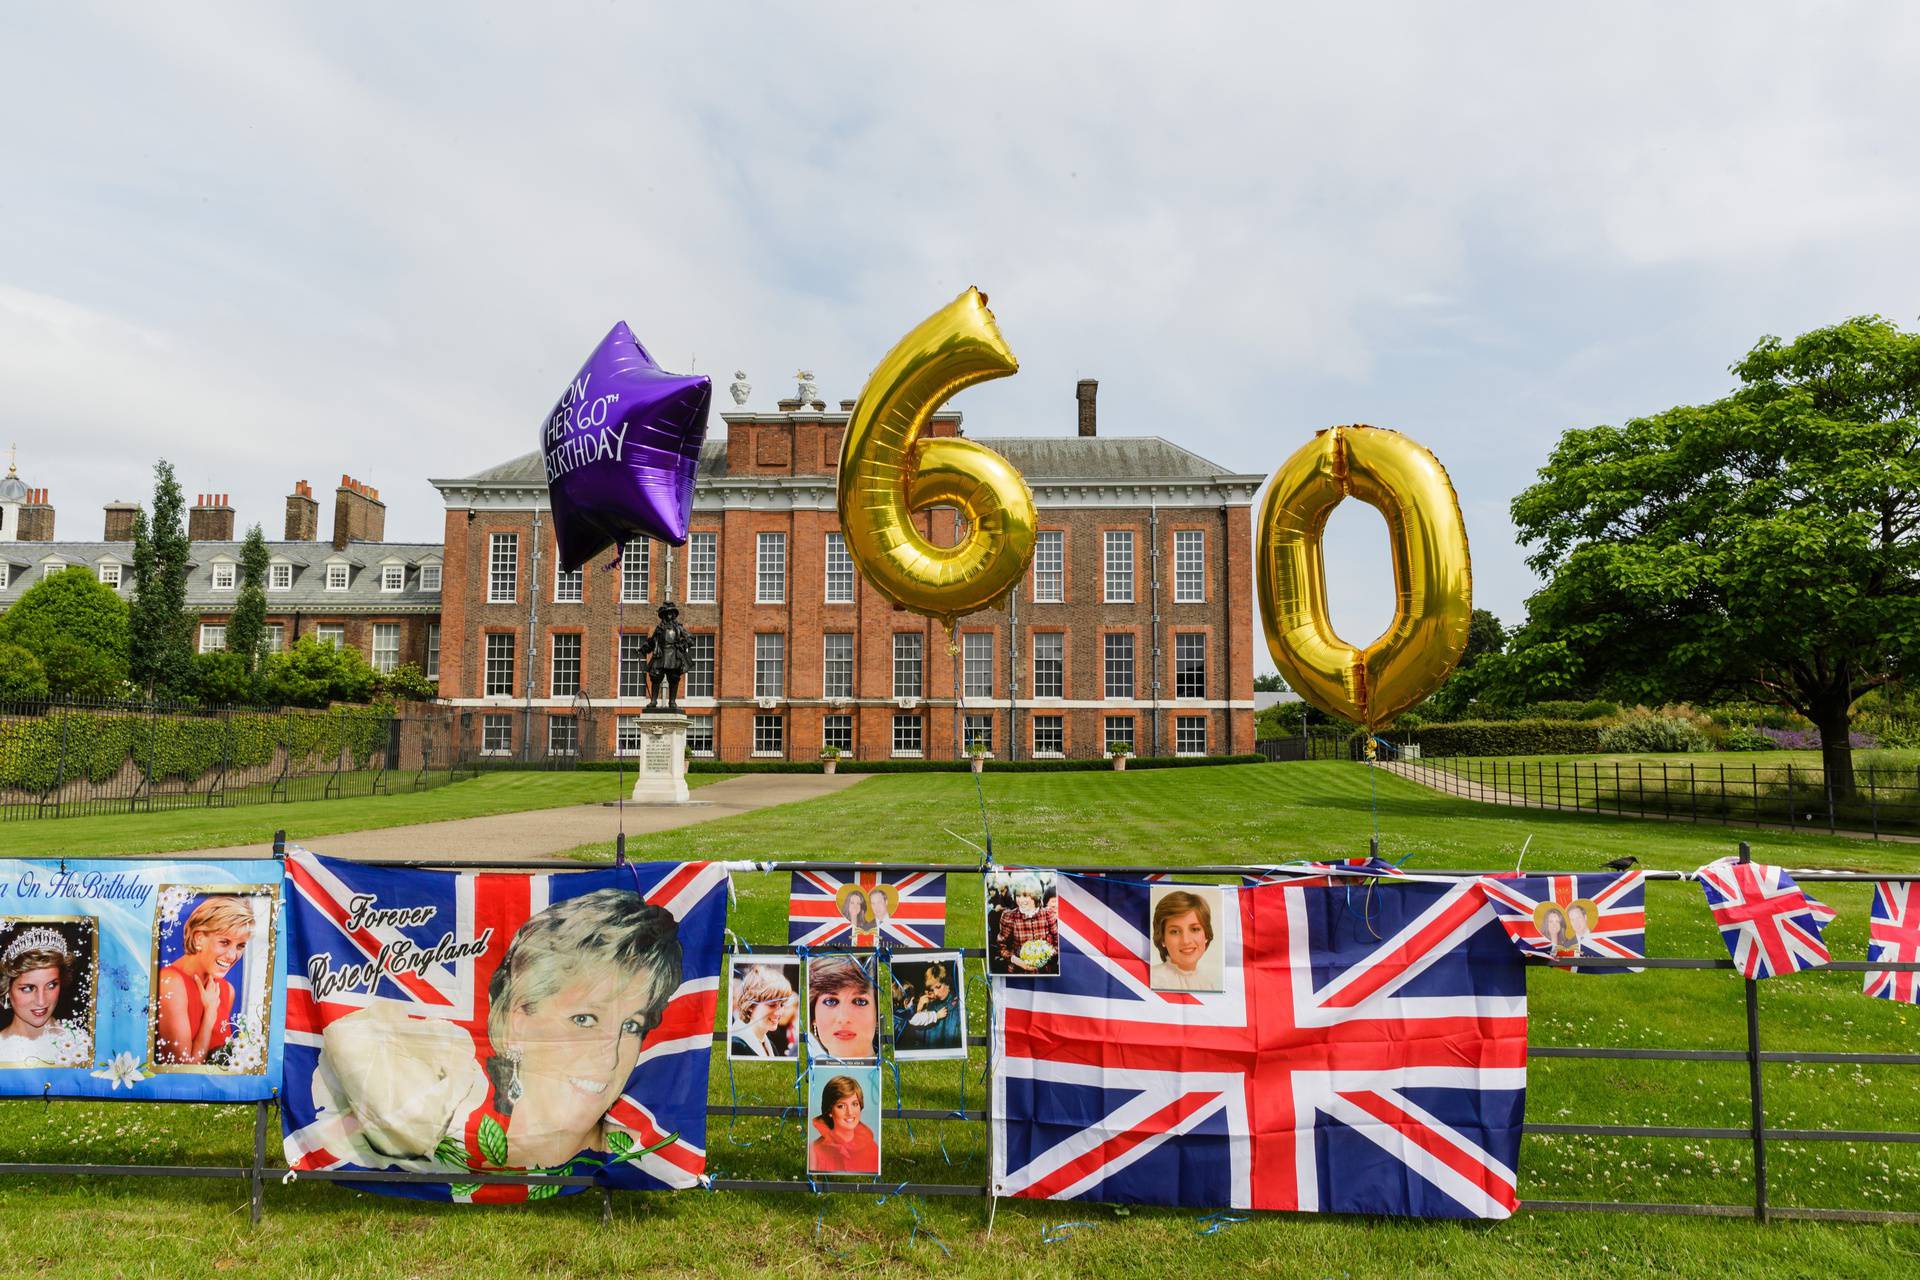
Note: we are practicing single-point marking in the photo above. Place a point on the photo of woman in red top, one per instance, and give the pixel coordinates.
(196, 1001)
(845, 1143)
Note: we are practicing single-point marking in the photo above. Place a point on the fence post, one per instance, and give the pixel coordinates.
(256, 1177)
(1873, 803)
(1693, 795)
(1755, 1086)
(1792, 816)
(1828, 779)
(60, 777)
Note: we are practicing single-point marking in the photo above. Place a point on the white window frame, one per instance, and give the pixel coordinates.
(572, 723)
(52, 567)
(767, 723)
(703, 566)
(1183, 729)
(225, 575)
(213, 637)
(636, 571)
(503, 568)
(274, 636)
(392, 657)
(770, 568)
(339, 575)
(510, 642)
(970, 666)
(555, 642)
(113, 581)
(703, 665)
(1118, 729)
(627, 738)
(280, 576)
(1189, 566)
(1050, 567)
(1054, 725)
(1190, 640)
(830, 642)
(976, 726)
(569, 585)
(432, 669)
(1117, 566)
(489, 726)
(840, 570)
(629, 662)
(770, 664)
(331, 633)
(909, 727)
(836, 730)
(1035, 642)
(909, 664)
(700, 734)
(1108, 660)
(393, 578)
(430, 577)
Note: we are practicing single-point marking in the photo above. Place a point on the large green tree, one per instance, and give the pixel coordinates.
(1765, 545)
(77, 628)
(247, 625)
(161, 628)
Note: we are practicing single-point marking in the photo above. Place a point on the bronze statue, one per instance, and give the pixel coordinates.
(667, 649)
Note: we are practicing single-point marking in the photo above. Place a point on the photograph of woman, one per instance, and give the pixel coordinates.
(846, 1132)
(1551, 920)
(929, 1009)
(763, 1015)
(1184, 957)
(46, 1002)
(854, 906)
(1023, 925)
(580, 986)
(843, 1008)
(195, 1007)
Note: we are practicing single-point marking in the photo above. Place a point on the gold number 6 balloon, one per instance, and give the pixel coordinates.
(888, 472)
(1433, 580)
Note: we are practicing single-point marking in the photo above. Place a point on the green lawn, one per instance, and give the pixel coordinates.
(1259, 813)
(504, 792)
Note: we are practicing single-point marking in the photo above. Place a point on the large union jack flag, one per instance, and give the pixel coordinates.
(1893, 935)
(824, 911)
(1572, 915)
(1368, 1055)
(1768, 922)
(435, 1013)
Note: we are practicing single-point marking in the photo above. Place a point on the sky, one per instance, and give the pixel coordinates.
(271, 242)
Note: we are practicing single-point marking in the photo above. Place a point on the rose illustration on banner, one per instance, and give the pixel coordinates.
(621, 448)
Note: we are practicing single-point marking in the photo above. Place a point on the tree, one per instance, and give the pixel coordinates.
(1485, 635)
(1765, 545)
(1269, 682)
(311, 674)
(76, 627)
(161, 629)
(22, 678)
(247, 624)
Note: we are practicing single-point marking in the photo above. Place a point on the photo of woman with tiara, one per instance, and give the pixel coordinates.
(46, 991)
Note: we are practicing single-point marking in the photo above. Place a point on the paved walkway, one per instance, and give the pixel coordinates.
(509, 837)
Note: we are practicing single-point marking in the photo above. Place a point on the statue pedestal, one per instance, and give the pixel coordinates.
(662, 762)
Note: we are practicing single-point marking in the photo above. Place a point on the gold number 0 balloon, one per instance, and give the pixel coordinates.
(1433, 580)
(887, 472)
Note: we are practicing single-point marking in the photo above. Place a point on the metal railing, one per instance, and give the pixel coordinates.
(1757, 1133)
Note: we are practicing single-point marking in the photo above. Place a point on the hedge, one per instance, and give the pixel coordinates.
(850, 765)
(183, 747)
(1500, 738)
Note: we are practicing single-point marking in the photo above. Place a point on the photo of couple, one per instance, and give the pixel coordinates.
(1566, 927)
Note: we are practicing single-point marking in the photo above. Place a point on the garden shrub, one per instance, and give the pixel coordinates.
(1670, 729)
(1501, 738)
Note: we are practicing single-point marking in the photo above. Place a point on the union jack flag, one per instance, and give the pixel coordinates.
(663, 1100)
(1598, 915)
(1768, 922)
(1362, 1059)
(913, 911)
(1893, 934)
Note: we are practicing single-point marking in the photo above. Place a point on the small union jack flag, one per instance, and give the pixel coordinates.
(1771, 927)
(1598, 915)
(867, 909)
(1893, 934)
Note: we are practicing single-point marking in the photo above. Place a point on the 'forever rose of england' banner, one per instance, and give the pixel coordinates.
(496, 1022)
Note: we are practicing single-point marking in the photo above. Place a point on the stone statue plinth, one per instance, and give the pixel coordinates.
(661, 765)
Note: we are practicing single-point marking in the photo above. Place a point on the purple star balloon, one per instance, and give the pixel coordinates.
(621, 449)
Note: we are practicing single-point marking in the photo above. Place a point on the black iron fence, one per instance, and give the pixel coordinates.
(1885, 799)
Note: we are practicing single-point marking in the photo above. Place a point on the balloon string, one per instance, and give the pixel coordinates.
(620, 645)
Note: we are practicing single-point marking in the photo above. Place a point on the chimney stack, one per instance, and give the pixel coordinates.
(1084, 391)
(303, 514)
(210, 519)
(120, 521)
(36, 518)
(358, 514)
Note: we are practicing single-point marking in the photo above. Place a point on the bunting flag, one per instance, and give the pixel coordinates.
(1893, 935)
(1361, 1058)
(455, 1023)
(1771, 927)
(866, 909)
(1574, 915)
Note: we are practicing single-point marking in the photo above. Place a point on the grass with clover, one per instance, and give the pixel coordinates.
(1260, 813)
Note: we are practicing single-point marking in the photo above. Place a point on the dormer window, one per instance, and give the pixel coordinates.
(393, 577)
(336, 576)
(280, 576)
(110, 574)
(429, 577)
(52, 567)
(223, 577)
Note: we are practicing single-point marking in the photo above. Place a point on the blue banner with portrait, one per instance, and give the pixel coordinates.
(143, 980)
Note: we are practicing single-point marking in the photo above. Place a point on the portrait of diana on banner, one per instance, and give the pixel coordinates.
(1180, 940)
(213, 978)
(48, 972)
